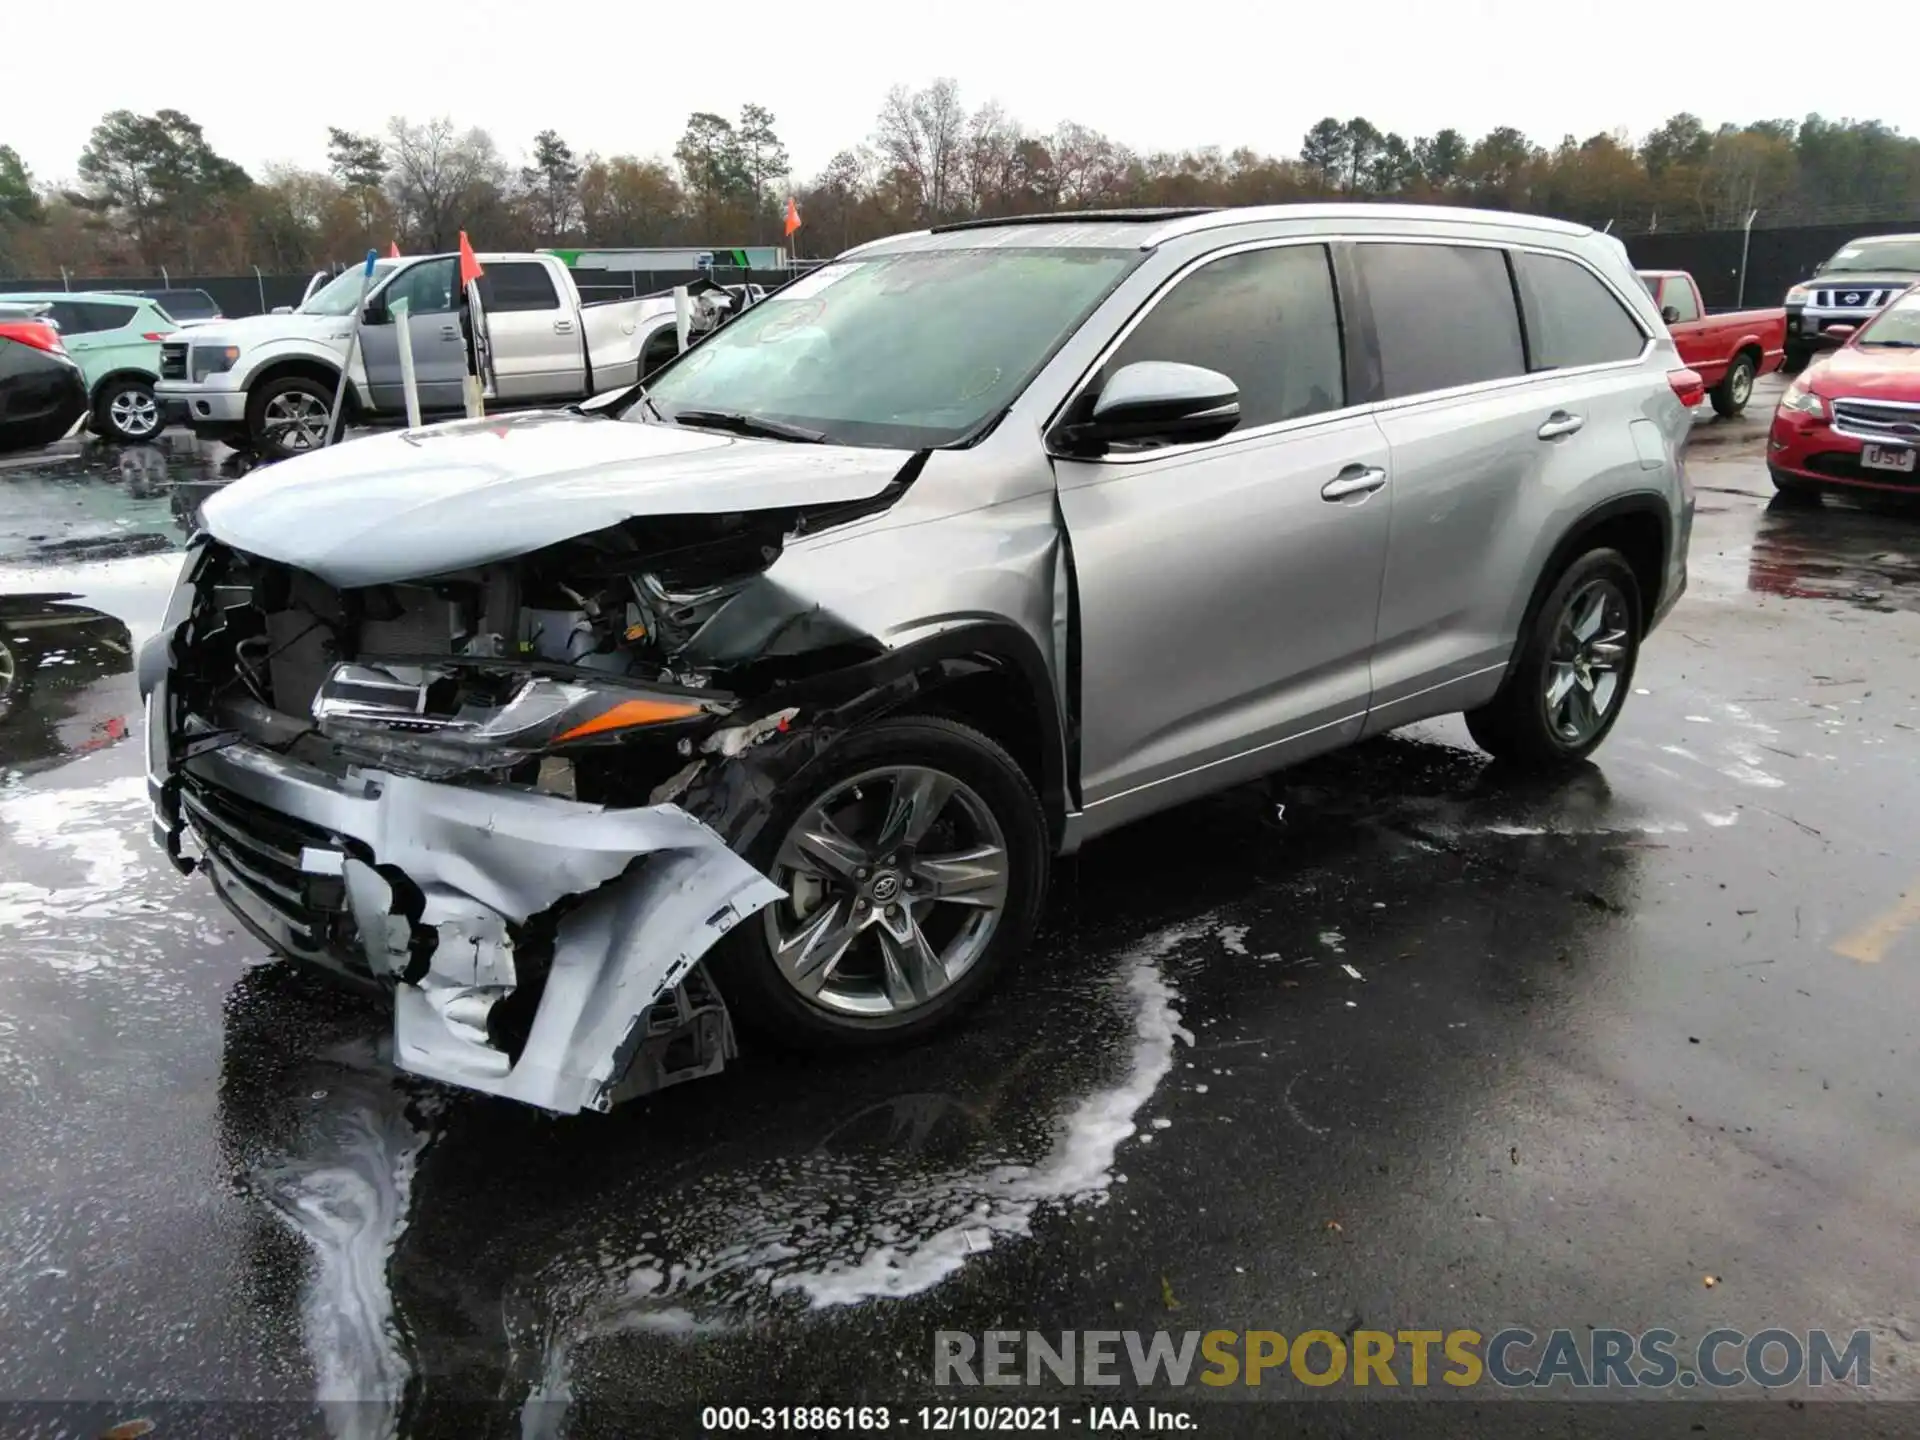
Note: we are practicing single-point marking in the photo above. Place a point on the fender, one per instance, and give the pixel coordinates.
(125, 372)
(1633, 502)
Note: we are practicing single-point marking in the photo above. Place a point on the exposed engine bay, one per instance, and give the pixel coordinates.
(512, 794)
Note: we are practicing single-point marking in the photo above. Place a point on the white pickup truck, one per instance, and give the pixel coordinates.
(268, 381)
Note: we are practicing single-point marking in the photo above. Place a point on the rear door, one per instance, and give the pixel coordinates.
(1226, 602)
(97, 336)
(431, 290)
(1495, 443)
(534, 334)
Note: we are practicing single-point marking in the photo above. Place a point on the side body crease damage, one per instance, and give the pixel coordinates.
(515, 793)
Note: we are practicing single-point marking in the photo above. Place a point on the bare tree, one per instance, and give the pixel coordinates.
(440, 177)
(921, 137)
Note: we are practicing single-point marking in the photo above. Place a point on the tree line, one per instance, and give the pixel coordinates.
(151, 191)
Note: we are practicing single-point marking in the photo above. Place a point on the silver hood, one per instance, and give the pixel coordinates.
(425, 502)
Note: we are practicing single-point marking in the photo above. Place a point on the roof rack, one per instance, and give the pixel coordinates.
(1075, 217)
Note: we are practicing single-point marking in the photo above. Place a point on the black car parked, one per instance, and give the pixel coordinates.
(42, 393)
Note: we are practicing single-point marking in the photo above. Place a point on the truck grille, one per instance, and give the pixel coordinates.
(1857, 297)
(260, 850)
(173, 362)
(1878, 420)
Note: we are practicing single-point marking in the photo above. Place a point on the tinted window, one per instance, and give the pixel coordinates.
(1265, 319)
(1572, 319)
(1677, 295)
(518, 285)
(427, 287)
(185, 304)
(76, 317)
(1445, 314)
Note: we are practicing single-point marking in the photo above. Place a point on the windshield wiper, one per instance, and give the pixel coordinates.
(1893, 344)
(741, 424)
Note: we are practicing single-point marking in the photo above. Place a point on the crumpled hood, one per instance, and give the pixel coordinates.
(424, 502)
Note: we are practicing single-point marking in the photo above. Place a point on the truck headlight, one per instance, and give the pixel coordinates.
(1799, 295)
(213, 360)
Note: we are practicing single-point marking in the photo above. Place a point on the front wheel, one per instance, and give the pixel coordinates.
(1574, 668)
(289, 417)
(914, 854)
(126, 411)
(1730, 396)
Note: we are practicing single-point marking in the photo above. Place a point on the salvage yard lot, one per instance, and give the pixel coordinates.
(1391, 1042)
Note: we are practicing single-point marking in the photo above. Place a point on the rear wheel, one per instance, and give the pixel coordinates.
(1730, 396)
(1575, 666)
(914, 854)
(126, 411)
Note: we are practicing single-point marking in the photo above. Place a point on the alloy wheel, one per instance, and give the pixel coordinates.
(1590, 646)
(296, 420)
(134, 413)
(1742, 386)
(896, 880)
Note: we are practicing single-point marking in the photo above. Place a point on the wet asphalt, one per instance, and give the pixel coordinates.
(1392, 1042)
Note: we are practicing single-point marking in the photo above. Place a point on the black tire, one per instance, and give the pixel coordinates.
(125, 412)
(1730, 396)
(759, 995)
(1792, 490)
(268, 439)
(1514, 726)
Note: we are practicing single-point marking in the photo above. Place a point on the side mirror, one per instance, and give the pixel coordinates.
(1670, 314)
(1838, 334)
(375, 313)
(1158, 401)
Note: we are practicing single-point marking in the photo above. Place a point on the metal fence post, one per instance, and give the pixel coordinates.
(261, 281)
(1746, 239)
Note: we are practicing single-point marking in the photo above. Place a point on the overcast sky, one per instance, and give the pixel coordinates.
(265, 81)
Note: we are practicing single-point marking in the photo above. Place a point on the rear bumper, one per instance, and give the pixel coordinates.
(458, 899)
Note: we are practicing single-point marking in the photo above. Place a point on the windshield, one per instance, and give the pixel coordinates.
(900, 350)
(340, 294)
(1865, 255)
(1898, 324)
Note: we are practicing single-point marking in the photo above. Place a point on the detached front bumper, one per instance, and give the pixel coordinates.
(537, 948)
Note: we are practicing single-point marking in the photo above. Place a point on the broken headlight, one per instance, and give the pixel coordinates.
(438, 720)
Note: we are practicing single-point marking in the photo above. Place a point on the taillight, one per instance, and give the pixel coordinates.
(154, 335)
(40, 337)
(1688, 386)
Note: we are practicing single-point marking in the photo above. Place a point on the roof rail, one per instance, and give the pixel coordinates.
(1075, 217)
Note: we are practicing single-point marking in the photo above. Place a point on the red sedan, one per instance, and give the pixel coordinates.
(1853, 418)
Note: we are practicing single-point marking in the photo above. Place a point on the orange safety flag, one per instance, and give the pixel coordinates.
(793, 216)
(393, 250)
(469, 266)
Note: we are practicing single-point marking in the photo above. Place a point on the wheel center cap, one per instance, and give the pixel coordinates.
(885, 886)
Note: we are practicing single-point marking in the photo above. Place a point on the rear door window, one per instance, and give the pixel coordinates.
(1445, 315)
(77, 317)
(517, 285)
(1677, 296)
(1266, 319)
(1572, 318)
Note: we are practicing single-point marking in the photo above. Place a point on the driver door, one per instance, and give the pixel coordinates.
(431, 290)
(1228, 595)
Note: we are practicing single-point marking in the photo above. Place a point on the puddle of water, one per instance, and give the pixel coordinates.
(105, 502)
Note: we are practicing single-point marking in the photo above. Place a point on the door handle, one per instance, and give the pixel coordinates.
(1354, 480)
(1560, 423)
(563, 327)
(449, 332)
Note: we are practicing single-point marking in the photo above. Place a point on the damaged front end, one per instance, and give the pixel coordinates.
(509, 794)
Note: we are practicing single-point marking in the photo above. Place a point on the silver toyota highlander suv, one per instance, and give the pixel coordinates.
(937, 563)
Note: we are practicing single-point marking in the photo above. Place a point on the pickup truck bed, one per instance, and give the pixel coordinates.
(1730, 349)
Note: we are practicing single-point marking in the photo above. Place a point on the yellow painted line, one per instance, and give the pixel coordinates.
(1869, 944)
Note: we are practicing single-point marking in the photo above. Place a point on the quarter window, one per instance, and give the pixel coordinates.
(1266, 319)
(1572, 318)
(1445, 316)
(517, 285)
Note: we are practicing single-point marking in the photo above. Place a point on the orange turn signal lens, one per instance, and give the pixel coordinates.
(629, 713)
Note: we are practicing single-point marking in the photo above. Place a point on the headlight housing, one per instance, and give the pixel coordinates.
(1799, 295)
(1802, 401)
(212, 360)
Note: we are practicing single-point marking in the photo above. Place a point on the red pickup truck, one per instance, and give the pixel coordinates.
(1731, 349)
